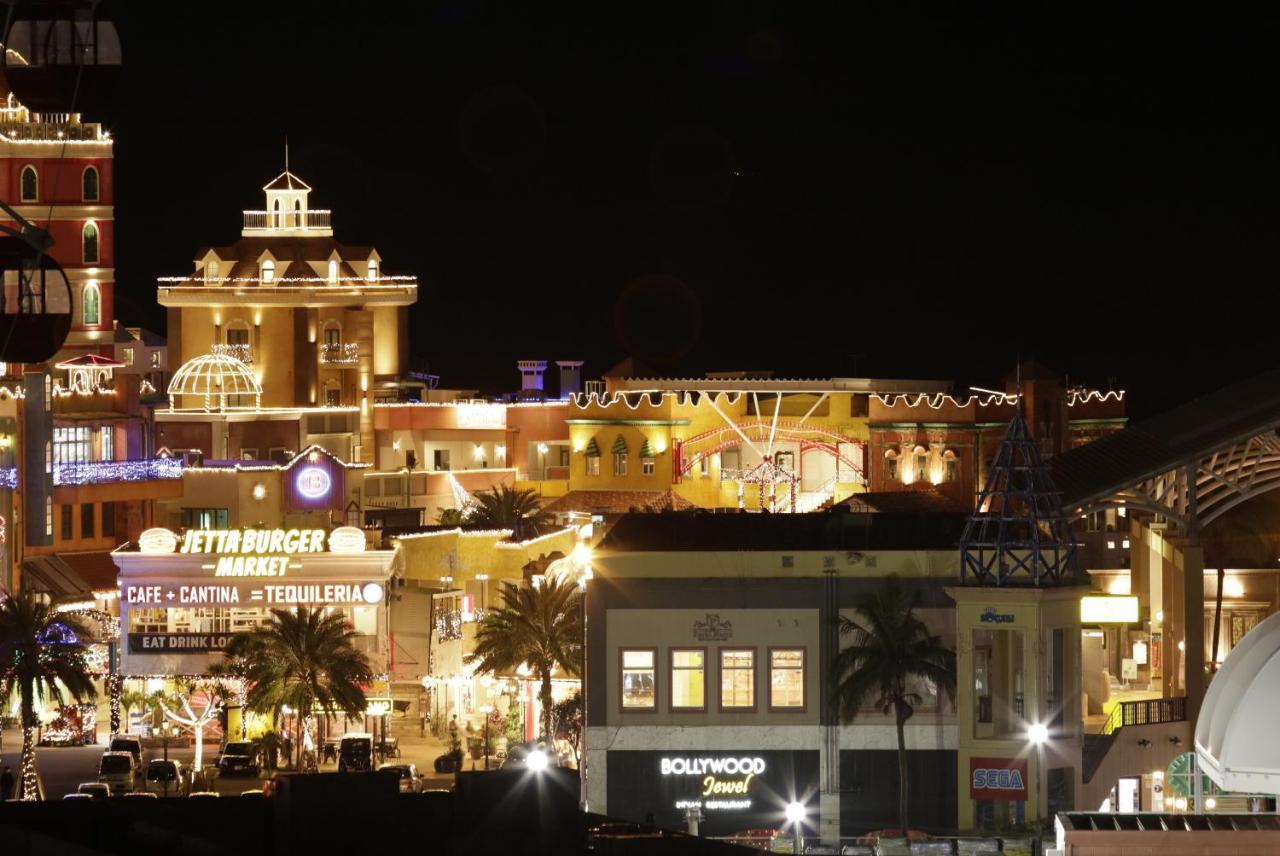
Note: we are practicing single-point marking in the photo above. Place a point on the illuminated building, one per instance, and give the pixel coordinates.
(183, 597)
(318, 325)
(56, 170)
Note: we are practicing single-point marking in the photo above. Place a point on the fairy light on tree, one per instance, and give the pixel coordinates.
(213, 693)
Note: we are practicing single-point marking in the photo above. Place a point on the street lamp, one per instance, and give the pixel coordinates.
(795, 816)
(536, 760)
(1038, 734)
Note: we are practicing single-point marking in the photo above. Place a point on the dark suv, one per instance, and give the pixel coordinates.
(239, 759)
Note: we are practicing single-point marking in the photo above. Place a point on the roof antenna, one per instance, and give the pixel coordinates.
(1018, 375)
(286, 153)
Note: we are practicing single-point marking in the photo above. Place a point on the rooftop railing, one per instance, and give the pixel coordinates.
(108, 472)
(312, 218)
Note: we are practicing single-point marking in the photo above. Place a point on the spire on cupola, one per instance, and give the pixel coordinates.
(287, 209)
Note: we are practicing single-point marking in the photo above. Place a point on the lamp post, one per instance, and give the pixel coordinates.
(795, 816)
(1039, 735)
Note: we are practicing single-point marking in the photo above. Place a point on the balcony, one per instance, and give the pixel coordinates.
(243, 353)
(112, 472)
(339, 354)
(313, 221)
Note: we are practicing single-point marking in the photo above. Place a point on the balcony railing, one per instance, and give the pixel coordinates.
(282, 220)
(339, 354)
(108, 472)
(243, 353)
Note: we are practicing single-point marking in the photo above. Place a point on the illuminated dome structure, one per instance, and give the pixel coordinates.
(215, 382)
(1235, 734)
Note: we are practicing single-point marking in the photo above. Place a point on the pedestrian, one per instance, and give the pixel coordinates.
(422, 723)
(7, 782)
(453, 727)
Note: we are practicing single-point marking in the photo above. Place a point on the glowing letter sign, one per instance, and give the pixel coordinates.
(313, 482)
(1121, 609)
(719, 777)
(998, 778)
(253, 552)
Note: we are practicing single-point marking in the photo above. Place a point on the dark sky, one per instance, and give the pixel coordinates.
(889, 190)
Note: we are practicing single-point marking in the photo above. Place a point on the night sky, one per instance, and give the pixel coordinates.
(712, 186)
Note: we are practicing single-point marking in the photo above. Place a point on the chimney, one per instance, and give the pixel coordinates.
(570, 377)
(531, 374)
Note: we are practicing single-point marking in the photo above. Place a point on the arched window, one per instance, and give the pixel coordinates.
(268, 271)
(275, 214)
(89, 184)
(89, 241)
(91, 303)
(333, 270)
(30, 184)
(373, 270)
(297, 214)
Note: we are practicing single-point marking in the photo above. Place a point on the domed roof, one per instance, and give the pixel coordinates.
(1235, 732)
(220, 381)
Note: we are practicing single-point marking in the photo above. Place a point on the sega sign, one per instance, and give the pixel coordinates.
(998, 779)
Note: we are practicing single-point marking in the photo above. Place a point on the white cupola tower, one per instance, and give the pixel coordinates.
(287, 211)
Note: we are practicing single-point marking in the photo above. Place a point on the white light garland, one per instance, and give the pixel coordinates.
(1084, 396)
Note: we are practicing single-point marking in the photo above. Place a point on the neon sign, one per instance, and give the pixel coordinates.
(313, 482)
(253, 552)
(714, 773)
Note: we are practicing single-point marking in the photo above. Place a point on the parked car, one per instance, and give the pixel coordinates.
(239, 759)
(118, 772)
(410, 781)
(205, 794)
(128, 743)
(76, 796)
(164, 778)
(355, 753)
(143, 794)
(97, 790)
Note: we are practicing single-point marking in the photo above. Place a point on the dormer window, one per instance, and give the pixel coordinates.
(333, 270)
(211, 270)
(268, 271)
(373, 270)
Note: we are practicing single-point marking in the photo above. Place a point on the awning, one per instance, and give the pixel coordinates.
(54, 577)
(619, 446)
(592, 450)
(646, 451)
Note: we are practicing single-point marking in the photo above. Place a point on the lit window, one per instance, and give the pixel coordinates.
(373, 270)
(71, 445)
(688, 679)
(333, 335)
(953, 469)
(704, 466)
(620, 463)
(268, 270)
(593, 465)
(89, 242)
(155, 359)
(1125, 543)
(238, 335)
(786, 678)
(126, 354)
(891, 469)
(30, 187)
(647, 466)
(333, 270)
(211, 270)
(91, 303)
(89, 185)
(48, 516)
(737, 679)
(1111, 545)
(106, 443)
(639, 680)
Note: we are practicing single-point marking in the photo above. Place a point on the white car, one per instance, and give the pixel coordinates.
(118, 771)
(164, 778)
(410, 781)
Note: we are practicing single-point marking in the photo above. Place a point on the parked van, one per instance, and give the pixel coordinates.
(118, 772)
(130, 743)
(355, 753)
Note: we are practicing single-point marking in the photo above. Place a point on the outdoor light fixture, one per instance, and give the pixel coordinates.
(1210, 803)
(1038, 733)
(536, 760)
(795, 816)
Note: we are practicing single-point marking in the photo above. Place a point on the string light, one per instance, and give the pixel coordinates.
(106, 472)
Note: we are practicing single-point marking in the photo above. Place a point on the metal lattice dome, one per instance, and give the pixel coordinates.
(1235, 734)
(214, 382)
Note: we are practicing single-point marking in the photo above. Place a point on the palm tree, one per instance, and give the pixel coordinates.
(449, 517)
(508, 508)
(536, 625)
(131, 699)
(892, 651)
(303, 658)
(40, 657)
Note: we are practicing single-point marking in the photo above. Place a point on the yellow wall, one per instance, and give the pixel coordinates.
(462, 555)
(696, 416)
